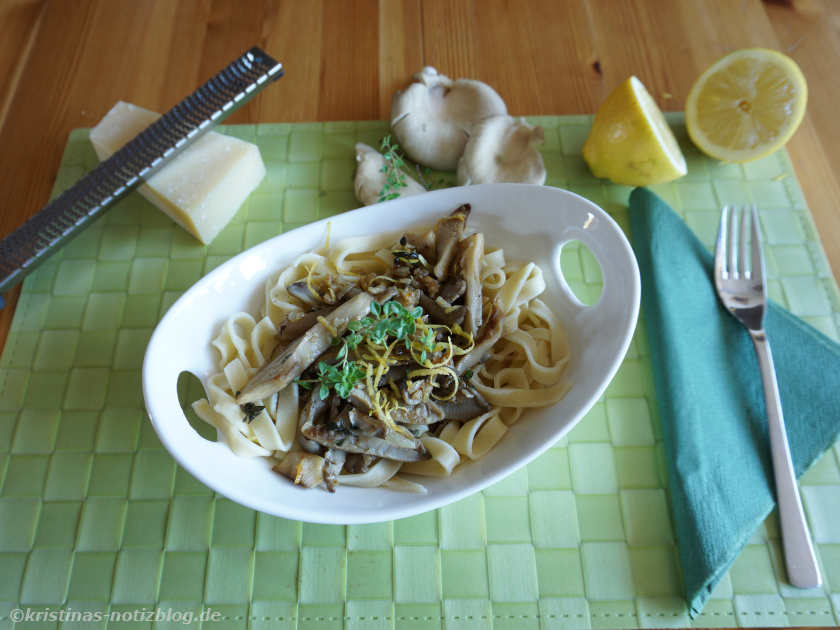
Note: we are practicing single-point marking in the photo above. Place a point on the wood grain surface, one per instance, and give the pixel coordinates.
(63, 64)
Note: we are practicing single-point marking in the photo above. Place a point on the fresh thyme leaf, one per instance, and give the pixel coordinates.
(394, 163)
(387, 322)
(251, 410)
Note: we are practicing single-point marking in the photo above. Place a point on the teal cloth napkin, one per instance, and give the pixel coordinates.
(710, 396)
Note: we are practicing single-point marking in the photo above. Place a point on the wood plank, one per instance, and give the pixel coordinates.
(37, 120)
(232, 28)
(539, 56)
(350, 69)
(186, 35)
(448, 45)
(20, 21)
(293, 35)
(400, 48)
(808, 33)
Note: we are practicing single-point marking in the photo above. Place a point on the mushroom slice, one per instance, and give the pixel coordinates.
(421, 414)
(490, 333)
(502, 149)
(372, 175)
(302, 291)
(302, 352)
(313, 408)
(423, 243)
(368, 444)
(464, 406)
(356, 463)
(452, 289)
(471, 266)
(292, 328)
(440, 315)
(416, 391)
(305, 469)
(448, 232)
(334, 461)
(432, 117)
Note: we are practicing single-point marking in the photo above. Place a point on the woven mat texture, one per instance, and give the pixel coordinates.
(96, 516)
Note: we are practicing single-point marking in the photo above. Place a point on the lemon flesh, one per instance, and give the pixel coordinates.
(746, 105)
(630, 142)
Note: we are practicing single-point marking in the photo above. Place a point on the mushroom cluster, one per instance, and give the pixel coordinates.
(451, 125)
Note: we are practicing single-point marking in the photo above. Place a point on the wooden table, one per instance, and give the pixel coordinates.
(63, 63)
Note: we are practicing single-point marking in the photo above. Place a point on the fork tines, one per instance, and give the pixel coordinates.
(738, 230)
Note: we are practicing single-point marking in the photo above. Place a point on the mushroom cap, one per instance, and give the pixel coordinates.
(432, 118)
(502, 149)
(370, 178)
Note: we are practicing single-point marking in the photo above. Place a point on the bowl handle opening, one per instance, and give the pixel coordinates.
(164, 390)
(606, 242)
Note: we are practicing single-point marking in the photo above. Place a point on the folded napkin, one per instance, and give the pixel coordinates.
(710, 396)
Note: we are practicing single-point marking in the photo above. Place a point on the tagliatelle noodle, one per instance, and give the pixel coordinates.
(479, 435)
(378, 474)
(404, 485)
(266, 433)
(233, 340)
(285, 414)
(492, 270)
(237, 442)
(443, 459)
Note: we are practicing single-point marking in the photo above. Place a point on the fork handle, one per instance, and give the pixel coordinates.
(800, 560)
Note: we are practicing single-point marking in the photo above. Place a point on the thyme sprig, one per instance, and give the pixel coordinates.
(385, 324)
(395, 178)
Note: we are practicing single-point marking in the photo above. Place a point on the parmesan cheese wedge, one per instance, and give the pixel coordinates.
(203, 187)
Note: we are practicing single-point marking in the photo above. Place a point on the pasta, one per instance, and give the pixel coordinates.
(384, 356)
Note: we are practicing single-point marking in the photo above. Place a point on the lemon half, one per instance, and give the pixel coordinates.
(630, 142)
(746, 105)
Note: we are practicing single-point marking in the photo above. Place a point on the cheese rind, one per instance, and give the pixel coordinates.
(203, 187)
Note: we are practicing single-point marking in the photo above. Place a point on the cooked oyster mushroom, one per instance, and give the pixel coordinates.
(301, 353)
(466, 404)
(433, 117)
(448, 232)
(502, 149)
(305, 469)
(489, 334)
(471, 266)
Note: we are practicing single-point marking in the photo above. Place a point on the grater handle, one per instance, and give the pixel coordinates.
(69, 213)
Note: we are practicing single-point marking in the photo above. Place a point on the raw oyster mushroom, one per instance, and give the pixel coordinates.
(432, 118)
(371, 177)
(502, 149)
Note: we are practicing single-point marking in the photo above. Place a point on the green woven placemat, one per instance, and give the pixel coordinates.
(95, 517)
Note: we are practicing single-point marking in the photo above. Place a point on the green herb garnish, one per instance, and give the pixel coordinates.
(386, 322)
(251, 411)
(394, 175)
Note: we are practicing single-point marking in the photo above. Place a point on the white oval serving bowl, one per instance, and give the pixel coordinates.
(529, 222)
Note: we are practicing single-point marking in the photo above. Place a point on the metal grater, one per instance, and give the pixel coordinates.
(66, 216)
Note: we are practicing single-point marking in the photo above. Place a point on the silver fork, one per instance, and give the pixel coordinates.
(740, 286)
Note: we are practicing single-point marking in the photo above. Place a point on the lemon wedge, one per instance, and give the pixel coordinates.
(746, 105)
(630, 142)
